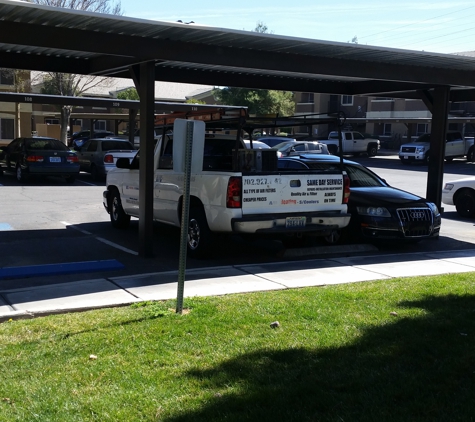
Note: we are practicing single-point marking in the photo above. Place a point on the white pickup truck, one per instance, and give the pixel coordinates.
(354, 143)
(233, 190)
(419, 151)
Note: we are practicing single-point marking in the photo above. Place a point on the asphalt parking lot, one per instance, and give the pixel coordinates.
(48, 222)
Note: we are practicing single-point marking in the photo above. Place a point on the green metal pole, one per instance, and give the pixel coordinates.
(185, 217)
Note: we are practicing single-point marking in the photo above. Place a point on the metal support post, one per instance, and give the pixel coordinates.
(185, 217)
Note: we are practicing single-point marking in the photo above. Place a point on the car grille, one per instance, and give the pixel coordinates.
(408, 149)
(416, 222)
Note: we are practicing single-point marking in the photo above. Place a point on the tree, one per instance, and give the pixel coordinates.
(258, 101)
(194, 101)
(128, 94)
(96, 6)
(55, 83)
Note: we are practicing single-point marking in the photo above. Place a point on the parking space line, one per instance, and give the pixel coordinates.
(100, 239)
(115, 245)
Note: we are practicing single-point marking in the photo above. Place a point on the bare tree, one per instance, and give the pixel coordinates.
(97, 6)
(71, 84)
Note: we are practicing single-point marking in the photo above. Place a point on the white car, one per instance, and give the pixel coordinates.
(461, 193)
(256, 144)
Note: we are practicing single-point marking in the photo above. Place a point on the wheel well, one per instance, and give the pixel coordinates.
(194, 202)
(372, 144)
(110, 190)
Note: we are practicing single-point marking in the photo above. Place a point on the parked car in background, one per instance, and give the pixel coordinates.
(379, 212)
(291, 148)
(78, 138)
(40, 156)
(157, 133)
(353, 143)
(461, 193)
(419, 150)
(92, 154)
(272, 141)
(256, 144)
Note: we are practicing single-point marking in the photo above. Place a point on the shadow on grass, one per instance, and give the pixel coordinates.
(407, 370)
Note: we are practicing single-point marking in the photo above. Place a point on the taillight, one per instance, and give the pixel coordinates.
(108, 159)
(72, 158)
(34, 158)
(233, 197)
(346, 189)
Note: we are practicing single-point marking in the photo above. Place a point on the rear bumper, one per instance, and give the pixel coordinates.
(316, 223)
(53, 171)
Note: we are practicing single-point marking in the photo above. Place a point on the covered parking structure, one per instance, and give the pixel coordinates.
(49, 39)
(133, 107)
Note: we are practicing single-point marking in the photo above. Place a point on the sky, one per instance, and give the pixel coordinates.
(441, 26)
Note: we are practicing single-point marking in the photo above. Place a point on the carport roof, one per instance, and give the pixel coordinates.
(47, 38)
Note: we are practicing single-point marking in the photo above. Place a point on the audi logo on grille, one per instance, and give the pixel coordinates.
(417, 214)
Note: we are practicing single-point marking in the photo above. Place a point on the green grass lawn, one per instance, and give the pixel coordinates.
(392, 350)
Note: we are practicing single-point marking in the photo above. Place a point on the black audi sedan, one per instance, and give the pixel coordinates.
(379, 212)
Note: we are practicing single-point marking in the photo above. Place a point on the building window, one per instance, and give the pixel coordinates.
(52, 121)
(347, 100)
(6, 77)
(7, 128)
(387, 129)
(421, 129)
(307, 97)
(100, 125)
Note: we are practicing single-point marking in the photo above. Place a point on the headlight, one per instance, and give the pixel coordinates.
(373, 211)
(433, 208)
(420, 149)
(448, 186)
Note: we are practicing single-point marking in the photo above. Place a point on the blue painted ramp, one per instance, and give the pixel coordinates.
(56, 269)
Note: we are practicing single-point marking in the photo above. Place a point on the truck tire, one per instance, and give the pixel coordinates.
(465, 203)
(372, 150)
(333, 149)
(470, 156)
(426, 157)
(119, 219)
(199, 234)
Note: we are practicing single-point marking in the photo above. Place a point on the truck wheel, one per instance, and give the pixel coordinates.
(470, 156)
(465, 203)
(199, 234)
(333, 149)
(426, 158)
(119, 218)
(372, 150)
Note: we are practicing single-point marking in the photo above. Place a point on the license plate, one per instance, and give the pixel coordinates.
(54, 159)
(406, 157)
(292, 222)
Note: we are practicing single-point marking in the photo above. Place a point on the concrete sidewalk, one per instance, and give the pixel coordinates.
(109, 292)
